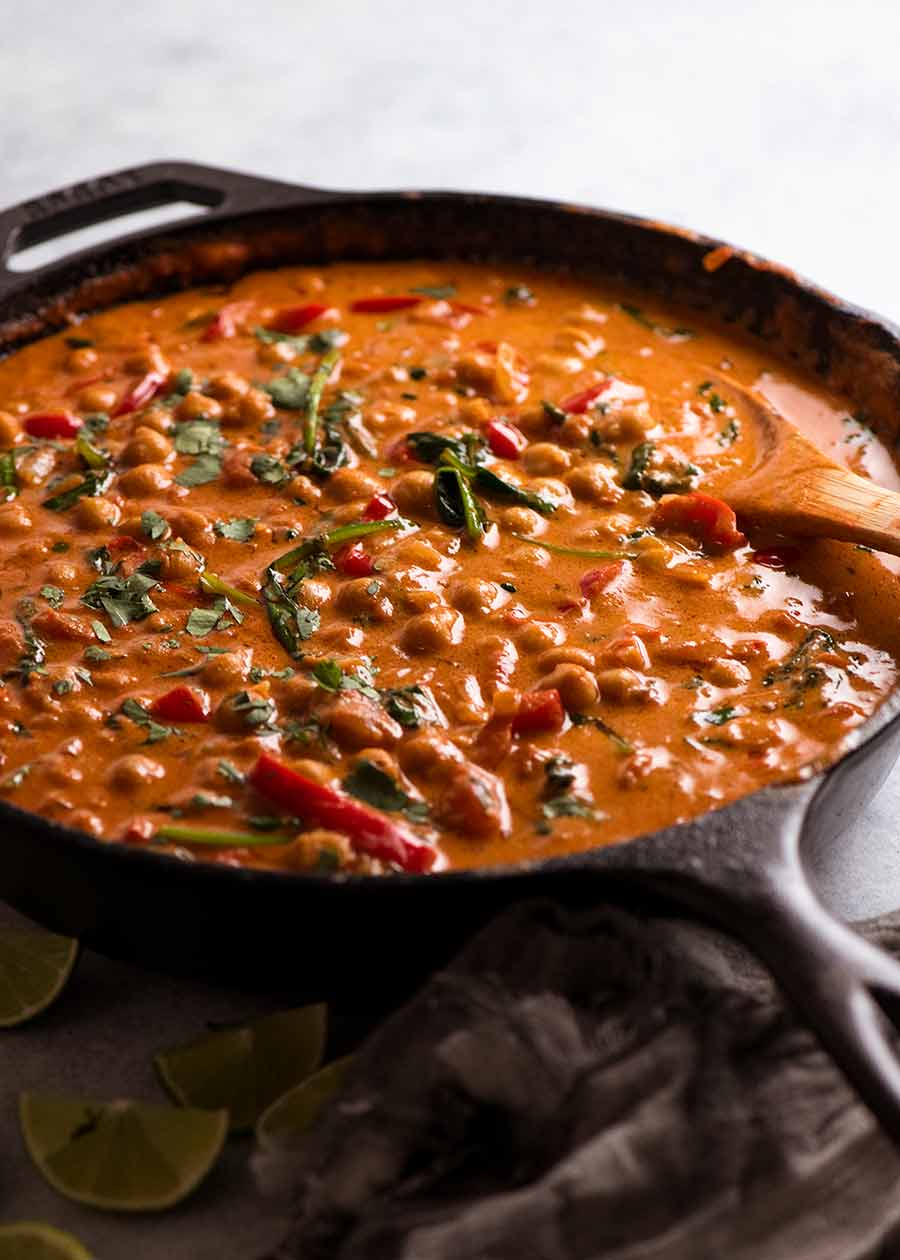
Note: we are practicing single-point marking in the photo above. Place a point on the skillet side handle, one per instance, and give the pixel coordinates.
(107, 197)
(846, 989)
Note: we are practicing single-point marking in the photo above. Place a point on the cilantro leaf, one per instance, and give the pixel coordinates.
(368, 782)
(240, 529)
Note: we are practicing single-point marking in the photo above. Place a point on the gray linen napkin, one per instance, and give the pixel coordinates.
(594, 1085)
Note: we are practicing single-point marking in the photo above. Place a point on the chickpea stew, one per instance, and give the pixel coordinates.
(409, 566)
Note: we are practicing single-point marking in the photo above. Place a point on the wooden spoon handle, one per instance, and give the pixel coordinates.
(827, 502)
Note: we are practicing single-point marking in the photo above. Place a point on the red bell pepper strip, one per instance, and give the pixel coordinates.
(140, 393)
(597, 580)
(577, 404)
(293, 318)
(504, 439)
(711, 521)
(379, 507)
(182, 704)
(383, 305)
(224, 325)
(539, 711)
(354, 561)
(52, 424)
(320, 806)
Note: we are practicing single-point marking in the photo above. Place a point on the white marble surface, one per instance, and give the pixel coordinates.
(771, 124)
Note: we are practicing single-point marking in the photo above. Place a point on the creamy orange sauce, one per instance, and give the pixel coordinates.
(685, 673)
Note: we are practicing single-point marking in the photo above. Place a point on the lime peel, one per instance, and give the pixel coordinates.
(34, 969)
(296, 1111)
(32, 1240)
(123, 1156)
(246, 1068)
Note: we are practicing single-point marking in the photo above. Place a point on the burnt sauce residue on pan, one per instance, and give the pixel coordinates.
(411, 566)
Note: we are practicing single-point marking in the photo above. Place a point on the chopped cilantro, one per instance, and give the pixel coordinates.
(122, 599)
(240, 529)
(54, 595)
(368, 782)
(156, 732)
(154, 525)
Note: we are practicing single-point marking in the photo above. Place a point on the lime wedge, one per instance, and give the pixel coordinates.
(31, 1241)
(121, 1155)
(295, 1111)
(34, 968)
(244, 1069)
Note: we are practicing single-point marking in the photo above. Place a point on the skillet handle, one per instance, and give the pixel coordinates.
(108, 197)
(846, 989)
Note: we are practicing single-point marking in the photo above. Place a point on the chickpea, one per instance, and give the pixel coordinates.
(538, 635)
(150, 359)
(546, 459)
(147, 447)
(433, 631)
(475, 411)
(145, 480)
(522, 520)
(389, 415)
(595, 483)
(339, 637)
(580, 341)
(114, 681)
(60, 770)
(195, 406)
(227, 387)
(9, 429)
(566, 656)
(97, 398)
(558, 364)
(275, 353)
(420, 554)
(296, 694)
(414, 492)
(697, 652)
(255, 407)
(356, 722)
(576, 686)
(84, 820)
(133, 771)
(14, 519)
(417, 598)
(314, 770)
(310, 847)
(363, 597)
(428, 755)
(61, 572)
(179, 566)
(628, 650)
(192, 526)
(315, 593)
(304, 491)
(575, 430)
(627, 686)
(351, 483)
(476, 596)
(725, 673)
(229, 669)
(157, 419)
(93, 513)
(80, 359)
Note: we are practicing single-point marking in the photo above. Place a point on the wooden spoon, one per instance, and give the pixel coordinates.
(795, 489)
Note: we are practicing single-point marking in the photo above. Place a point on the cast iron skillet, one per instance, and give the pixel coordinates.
(739, 866)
